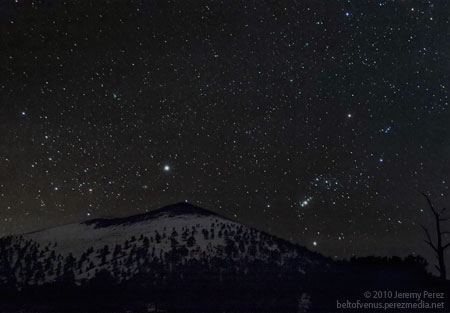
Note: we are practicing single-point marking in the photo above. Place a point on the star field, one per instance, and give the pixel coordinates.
(316, 121)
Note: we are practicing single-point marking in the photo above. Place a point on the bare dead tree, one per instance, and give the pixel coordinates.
(438, 247)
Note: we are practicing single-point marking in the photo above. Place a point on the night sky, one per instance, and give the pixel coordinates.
(317, 121)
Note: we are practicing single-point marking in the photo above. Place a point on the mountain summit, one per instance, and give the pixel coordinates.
(178, 209)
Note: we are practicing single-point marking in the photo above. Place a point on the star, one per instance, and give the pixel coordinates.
(166, 168)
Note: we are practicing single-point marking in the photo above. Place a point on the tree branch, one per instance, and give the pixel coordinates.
(430, 204)
(429, 241)
(431, 245)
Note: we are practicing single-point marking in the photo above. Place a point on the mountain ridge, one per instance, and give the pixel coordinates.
(175, 208)
(171, 210)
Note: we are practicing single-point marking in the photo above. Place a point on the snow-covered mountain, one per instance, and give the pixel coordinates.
(182, 258)
(175, 234)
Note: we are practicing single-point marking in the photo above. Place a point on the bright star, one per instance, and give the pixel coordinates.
(315, 243)
(166, 168)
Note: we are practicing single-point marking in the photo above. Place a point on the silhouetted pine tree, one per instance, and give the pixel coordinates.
(191, 241)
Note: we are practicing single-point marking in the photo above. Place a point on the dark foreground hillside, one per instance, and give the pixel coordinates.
(222, 286)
